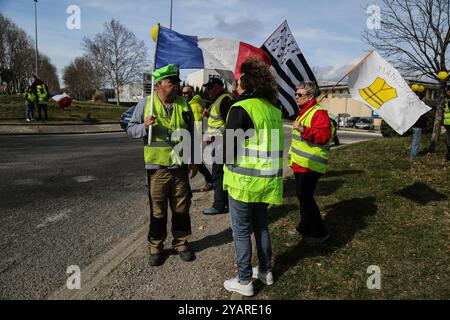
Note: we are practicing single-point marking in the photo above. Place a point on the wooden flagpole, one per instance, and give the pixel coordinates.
(348, 73)
(152, 95)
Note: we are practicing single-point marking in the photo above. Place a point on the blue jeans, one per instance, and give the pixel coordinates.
(246, 218)
(415, 144)
(29, 110)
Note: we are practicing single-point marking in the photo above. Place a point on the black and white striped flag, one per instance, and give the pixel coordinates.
(289, 64)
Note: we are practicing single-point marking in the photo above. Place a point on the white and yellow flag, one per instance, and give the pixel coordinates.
(376, 83)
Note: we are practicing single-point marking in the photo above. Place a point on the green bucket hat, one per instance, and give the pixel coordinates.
(171, 70)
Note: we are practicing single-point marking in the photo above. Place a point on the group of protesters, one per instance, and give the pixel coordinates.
(36, 95)
(245, 185)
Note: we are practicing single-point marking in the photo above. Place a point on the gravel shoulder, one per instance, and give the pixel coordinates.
(201, 279)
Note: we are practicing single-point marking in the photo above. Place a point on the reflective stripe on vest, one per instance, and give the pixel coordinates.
(160, 151)
(305, 153)
(255, 172)
(216, 125)
(257, 175)
(322, 146)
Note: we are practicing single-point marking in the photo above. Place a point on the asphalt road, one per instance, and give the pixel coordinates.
(67, 199)
(64, 200)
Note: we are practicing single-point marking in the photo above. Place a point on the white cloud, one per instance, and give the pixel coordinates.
(322, 34)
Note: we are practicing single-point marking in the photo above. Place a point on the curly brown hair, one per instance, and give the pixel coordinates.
(258, 79)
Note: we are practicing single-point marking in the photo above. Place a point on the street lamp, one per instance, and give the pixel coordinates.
(171, 9)
(35, 33)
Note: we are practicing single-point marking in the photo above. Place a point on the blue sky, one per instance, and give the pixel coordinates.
(328, 32)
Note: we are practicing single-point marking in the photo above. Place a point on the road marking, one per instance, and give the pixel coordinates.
(54, 218)
(82, 179)
(92, 275)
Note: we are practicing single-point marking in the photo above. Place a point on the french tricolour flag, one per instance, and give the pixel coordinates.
(191, 52)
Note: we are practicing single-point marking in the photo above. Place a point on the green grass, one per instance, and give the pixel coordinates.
(381, 209)
(13, 108)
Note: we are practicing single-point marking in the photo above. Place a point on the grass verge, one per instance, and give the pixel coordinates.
(13, 108)
(381, 209)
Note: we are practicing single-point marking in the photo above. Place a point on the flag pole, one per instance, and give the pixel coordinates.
(152, 95)
(347, 74)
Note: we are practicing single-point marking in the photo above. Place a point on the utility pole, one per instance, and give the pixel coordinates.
(171, 9)
(35, 33)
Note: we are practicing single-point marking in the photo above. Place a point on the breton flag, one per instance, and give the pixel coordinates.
(191, 52)
(289, 64)
(376, 83)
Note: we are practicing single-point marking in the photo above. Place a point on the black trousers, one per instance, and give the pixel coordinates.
(311, 223)
(205, 172)
(40, 108)
(220, 196)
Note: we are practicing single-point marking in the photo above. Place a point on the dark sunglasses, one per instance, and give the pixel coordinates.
(299, 95)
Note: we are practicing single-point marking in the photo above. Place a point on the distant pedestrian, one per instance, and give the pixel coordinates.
(30, 100)
(417, 129)
(42, 94)
(196, 103)
(311, 137)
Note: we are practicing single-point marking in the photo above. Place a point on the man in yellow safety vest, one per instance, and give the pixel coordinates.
(167, 173)
(217, 114)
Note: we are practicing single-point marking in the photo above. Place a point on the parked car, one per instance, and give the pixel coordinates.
(126, 117)
(352, 122)
(365, 123)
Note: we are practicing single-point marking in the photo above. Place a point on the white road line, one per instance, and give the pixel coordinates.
(82, 179)
(54, 218)
(102, 266)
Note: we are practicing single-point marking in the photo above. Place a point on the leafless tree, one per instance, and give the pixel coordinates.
(415, 36)
(17, 59)
(47, 72)
(118, 54)
(81, 78)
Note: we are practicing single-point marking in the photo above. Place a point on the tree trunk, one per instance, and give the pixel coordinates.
(118, 97)
(438, 118)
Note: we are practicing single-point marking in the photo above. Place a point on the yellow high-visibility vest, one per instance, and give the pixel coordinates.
(257, 175)
(216, 125)
(305, 153)
(160, 151)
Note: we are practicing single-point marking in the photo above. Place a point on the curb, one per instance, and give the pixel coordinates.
(363, 133)
(57, 133)
(36, 123)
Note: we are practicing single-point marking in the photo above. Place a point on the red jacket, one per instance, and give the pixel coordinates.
(318, 133)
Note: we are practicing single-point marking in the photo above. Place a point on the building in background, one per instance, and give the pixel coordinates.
(130, 92)
(198, 78)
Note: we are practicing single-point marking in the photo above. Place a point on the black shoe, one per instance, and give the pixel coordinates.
(156, 259)
(187, 255)
(301, 230)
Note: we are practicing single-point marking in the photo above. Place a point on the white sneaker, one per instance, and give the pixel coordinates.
(28, 120)
(266, 278)
(234, 285)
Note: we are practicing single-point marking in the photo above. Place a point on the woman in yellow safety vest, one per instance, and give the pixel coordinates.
(254, 177)
(308, 156)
